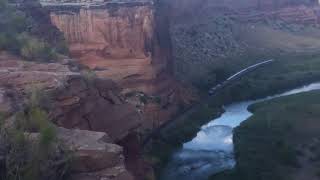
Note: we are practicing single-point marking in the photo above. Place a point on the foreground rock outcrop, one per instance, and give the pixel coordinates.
(73, 102)
(75, 99)
(76, 102)
(94, 155)
(95, 105)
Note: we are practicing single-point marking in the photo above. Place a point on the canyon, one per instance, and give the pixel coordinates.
(128, 43)
(118, 83)
(117, 41)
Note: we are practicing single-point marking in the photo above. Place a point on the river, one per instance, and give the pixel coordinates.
(211, 150)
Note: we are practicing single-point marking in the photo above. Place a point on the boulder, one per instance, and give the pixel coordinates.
(94, 156)
(94, 105)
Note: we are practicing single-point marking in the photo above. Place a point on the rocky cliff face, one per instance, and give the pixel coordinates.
(95, 157)
(74, 102)
(128, 47)
(129, 44)
(118, 40)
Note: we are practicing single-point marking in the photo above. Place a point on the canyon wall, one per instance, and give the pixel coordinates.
(127, 45)
(121, 41)
(206, 34)
(127, 42)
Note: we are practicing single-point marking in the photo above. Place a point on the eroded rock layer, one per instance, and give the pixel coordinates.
(73, 102)
(118, 40)
(76, 102)
(128, 43)
(94, 156)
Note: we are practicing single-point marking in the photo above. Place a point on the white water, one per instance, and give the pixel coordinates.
(211, 151)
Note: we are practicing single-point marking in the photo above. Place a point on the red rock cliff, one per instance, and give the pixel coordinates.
(128, 43)
(120, 41)
(74, 103)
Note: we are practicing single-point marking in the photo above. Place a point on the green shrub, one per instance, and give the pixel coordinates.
(36, 120)
(2, 117)
(34, 49)
(30, 159)
(3, 41)
(18, 35)
(89, 75)
(157, 100)
(18, 22)
(30, 156)
(143, 98)
(47, 135)
(62, 47)
(3, 4)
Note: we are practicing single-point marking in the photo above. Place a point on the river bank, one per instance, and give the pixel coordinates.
(280, 141)
(212, 150)
(287, 72)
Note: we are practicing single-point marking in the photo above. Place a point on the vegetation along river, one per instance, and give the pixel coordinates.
(211, 150)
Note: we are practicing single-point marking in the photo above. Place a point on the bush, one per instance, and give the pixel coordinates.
(3, 41)
(30, 159)
(31, 149)
(89, 75)
(3, 4)
(17, 22)
(17, 35)
(34, 49)
(34, 118)
(62, 47)
(143, 98)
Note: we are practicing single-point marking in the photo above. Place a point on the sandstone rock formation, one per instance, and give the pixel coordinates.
(79, 102)
(96, 106)
(71, 97)
(94, 156)
(76, 102)
(125, 41)
(120, 41)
